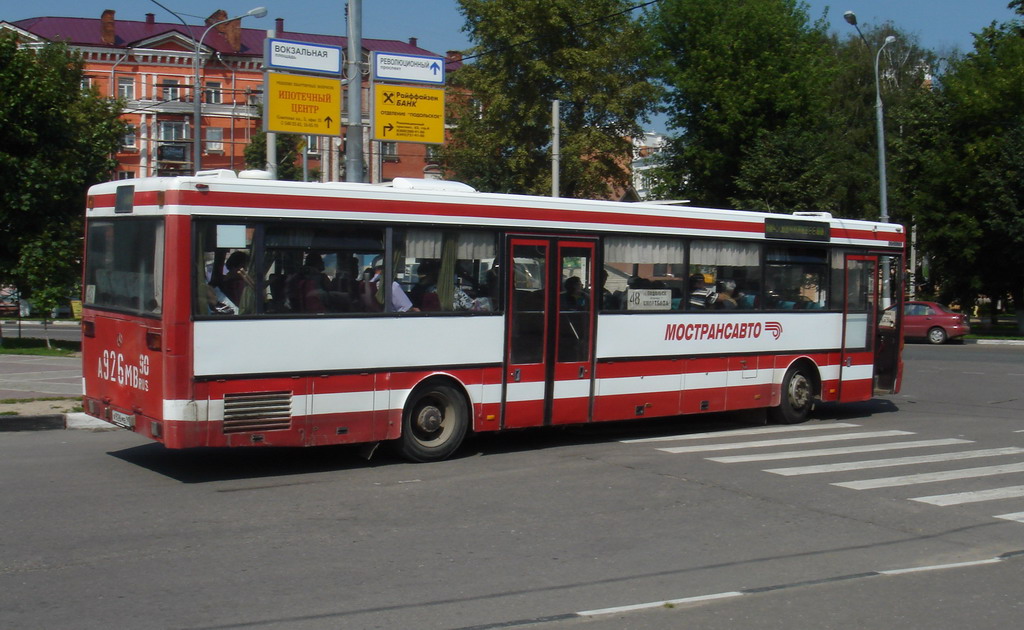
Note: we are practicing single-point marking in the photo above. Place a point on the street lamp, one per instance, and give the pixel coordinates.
(883, 215)
(197, 150)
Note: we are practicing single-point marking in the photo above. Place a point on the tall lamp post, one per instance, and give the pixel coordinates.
(883, 214)
(197, 113)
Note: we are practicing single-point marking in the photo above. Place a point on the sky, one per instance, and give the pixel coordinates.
(940, 24)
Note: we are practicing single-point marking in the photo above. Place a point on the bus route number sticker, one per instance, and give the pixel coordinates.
(649, 299)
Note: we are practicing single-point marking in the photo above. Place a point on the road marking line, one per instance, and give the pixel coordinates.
(1016, 516)
(959, 498)
(794, 585)
(894, 461)
(842, 450)
(940, 567)
(783, 442)
(667, 602)
(756, 431)
(947, 475)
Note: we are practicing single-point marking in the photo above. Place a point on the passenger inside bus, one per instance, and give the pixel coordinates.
(309, 287)
(574, 298)
(725, 298)
(234, 282)
(702, 296)
(373, 292)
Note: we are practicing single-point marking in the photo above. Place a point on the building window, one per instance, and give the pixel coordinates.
(126, 88)
(312, 145)
(389, 151)
(433, 154)
(169, 90)
(213, 93)
(170, 131)
(125, 175)
(129, 139)
(214, 140)
(86, 84)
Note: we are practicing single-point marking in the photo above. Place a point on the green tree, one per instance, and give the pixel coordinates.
(906, 71)
(51, 263)
(744, 77)
(984, 93)
(591, 56)
(56, 140)
(928, 188)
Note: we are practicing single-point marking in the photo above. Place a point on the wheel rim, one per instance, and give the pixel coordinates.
(937, 335)
(431, 423)
(799, 392)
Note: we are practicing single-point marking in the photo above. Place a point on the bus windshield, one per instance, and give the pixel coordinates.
(124, 265)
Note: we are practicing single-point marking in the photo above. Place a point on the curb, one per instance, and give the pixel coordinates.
(32, 423)
(57, 421)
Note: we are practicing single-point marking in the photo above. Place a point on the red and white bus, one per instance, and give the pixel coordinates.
(232, 310)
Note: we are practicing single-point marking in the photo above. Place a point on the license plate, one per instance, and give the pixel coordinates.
(125, 420)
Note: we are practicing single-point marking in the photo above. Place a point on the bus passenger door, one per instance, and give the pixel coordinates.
(526, 356)
(574, 331)
(857, 367)
(889, 315)
(550, 341)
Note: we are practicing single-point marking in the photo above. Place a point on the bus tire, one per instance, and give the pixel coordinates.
(434, 423)
(797, 397)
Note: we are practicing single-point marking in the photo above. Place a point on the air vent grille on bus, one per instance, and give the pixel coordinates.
(262, 411)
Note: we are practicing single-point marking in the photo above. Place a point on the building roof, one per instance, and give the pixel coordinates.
(127, 33)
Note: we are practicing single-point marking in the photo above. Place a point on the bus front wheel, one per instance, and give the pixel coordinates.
(797, 397)
(434, 423)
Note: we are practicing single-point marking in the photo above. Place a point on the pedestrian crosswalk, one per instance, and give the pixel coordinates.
(777, 444)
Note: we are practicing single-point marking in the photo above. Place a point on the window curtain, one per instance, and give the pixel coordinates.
(724, 254)
(644, 250)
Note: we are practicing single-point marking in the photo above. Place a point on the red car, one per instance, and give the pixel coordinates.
(933, 321)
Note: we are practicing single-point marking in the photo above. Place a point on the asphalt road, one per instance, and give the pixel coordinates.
(711, 522)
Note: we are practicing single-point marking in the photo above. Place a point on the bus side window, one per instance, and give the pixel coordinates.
(449, 271)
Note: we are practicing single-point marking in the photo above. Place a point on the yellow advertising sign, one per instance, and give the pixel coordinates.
(408, 114)
(300, 104)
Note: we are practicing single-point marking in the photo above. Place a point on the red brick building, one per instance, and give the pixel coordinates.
(151, 65)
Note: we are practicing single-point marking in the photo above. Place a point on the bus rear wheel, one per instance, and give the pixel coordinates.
(434, 423)
(797, 397)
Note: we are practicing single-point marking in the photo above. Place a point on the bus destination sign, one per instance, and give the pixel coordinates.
(797, 230)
